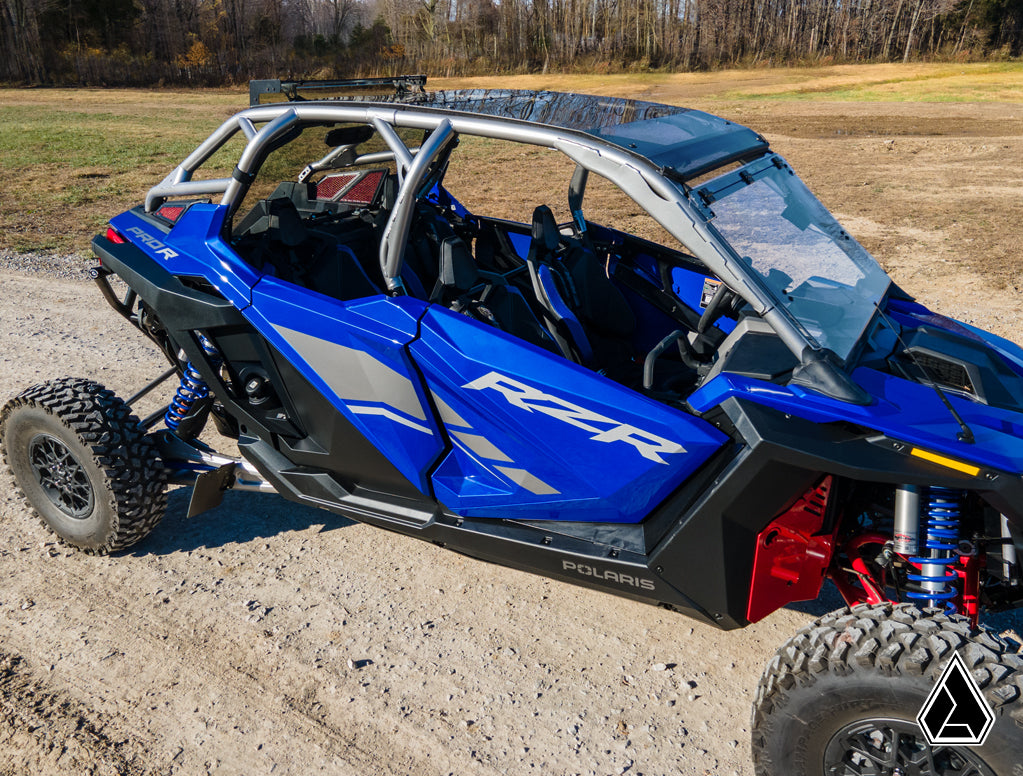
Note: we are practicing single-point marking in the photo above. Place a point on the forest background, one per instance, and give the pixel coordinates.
(219, 42)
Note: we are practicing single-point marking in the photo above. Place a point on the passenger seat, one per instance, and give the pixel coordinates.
(291, 251)
(584, 305)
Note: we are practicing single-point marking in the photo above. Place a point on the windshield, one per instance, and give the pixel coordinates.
(824, 278)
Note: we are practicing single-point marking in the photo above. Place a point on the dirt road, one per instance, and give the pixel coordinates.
(265, 637)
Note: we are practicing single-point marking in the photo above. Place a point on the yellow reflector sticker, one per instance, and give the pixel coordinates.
(941, 460)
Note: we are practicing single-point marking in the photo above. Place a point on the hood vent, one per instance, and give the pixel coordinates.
(945, 372)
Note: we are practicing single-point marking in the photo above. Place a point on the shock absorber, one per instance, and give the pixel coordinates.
(936, 578)
(192, 388)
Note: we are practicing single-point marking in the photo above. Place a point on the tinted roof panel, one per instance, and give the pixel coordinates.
(689, 142)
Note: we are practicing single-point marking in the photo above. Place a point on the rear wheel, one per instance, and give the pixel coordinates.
(842, 696)
(78, 455)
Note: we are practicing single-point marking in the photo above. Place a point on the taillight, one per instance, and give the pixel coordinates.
(114, 236)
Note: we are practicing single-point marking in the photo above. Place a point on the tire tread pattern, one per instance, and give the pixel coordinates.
(893, 640)
(120, 448)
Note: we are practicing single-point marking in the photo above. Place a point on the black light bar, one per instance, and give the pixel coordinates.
(402, 84)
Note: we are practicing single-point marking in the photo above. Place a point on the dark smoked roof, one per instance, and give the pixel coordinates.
(687, 142)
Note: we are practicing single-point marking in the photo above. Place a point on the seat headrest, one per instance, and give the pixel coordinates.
(457, 268)
(545, 228)
(285, 222)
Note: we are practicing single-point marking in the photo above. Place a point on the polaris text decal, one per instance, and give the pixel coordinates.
(607, 574)
(525, 397)
(151, 242)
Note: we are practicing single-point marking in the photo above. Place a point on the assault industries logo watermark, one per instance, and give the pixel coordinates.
(955, 713)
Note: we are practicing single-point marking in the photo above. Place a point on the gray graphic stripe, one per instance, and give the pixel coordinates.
(480, 445)
(355, 375)
(527, 481)
(448, 415)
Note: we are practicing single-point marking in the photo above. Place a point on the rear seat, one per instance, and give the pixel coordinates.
(285, 247)
(463, 289)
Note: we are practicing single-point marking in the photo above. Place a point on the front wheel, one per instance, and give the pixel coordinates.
(78, 455)
(842, 696)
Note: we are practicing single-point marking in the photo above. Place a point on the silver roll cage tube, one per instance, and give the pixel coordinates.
(667, 202)
(395, 234)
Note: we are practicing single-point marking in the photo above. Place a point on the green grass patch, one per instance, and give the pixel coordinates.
(72, 158)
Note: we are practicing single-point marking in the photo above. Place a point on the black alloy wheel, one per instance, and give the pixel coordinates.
(896, 747)
(61, 476)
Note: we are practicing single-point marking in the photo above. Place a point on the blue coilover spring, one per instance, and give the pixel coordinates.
(944, 507)
(192, 388)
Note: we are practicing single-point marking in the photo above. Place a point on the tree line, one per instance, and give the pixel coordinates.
(214, 42)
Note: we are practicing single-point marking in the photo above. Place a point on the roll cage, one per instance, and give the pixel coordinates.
(666, 198)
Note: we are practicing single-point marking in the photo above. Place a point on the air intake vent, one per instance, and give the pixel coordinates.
(946, 373)
(202, 285)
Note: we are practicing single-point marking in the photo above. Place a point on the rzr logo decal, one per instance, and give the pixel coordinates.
(151, 242)
(604, 429)
(606, 574)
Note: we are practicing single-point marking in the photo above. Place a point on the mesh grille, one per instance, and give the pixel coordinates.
(944, 372)
(365, 191)
(332, 185)
(171, 212)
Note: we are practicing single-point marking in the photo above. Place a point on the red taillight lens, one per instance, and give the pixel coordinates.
(114, 236)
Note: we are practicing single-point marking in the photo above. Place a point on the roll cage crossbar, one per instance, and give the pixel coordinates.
(667, 202)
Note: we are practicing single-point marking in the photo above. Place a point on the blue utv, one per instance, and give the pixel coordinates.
(714, 426)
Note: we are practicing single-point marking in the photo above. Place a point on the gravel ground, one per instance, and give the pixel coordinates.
(59, 266)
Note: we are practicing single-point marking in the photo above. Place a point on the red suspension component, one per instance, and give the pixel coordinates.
(968, 571)
(871, 590)
(792, 555)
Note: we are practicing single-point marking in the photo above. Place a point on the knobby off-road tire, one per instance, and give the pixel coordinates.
(80, 459)
(856, 678)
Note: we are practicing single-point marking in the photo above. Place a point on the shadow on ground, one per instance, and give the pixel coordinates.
(242, 517)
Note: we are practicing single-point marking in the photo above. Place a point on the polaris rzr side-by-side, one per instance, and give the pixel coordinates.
(714, 423)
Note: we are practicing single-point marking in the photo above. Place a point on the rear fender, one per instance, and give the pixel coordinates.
(194, 247)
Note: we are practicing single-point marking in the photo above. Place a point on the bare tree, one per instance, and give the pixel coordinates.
(222, 40)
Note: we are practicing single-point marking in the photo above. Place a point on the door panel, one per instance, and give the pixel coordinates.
(535, 436)
(354, 354)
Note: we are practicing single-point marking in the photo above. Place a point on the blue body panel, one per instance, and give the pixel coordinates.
(354, 353)
(913, 314)
(538, 437)
(902, 409)
(514, 431)
(520, 242)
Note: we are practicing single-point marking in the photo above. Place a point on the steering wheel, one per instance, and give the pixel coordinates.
(718, 305)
